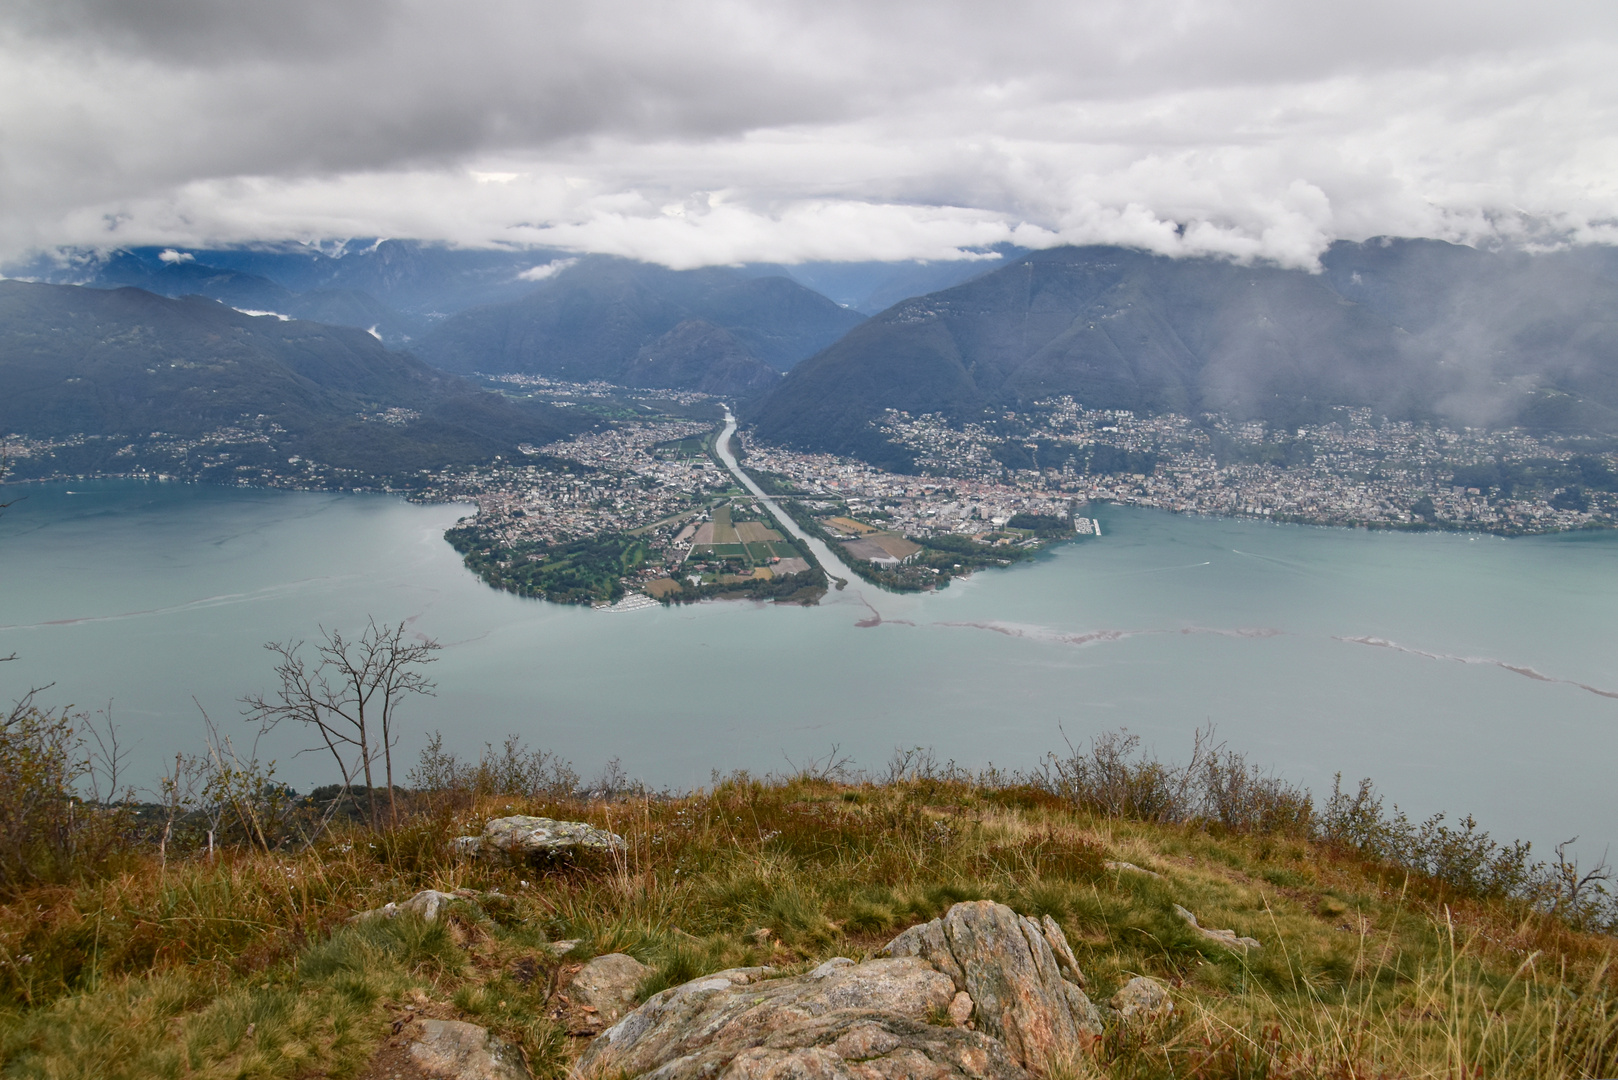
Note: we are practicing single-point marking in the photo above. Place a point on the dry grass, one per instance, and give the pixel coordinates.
(245, 965)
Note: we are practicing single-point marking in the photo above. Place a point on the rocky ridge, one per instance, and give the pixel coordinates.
(981, 993)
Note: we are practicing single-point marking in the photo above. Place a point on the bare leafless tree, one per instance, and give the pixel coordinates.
(5, 469)
(349, 696)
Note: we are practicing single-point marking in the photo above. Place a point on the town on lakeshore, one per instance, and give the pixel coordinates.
(644, 508)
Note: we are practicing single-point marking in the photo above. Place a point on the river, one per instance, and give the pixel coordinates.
(1463, 673)
(828, 561)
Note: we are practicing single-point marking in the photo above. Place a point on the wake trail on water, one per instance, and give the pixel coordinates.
(222, 600)
(1296, 567)
(1482, 661)
(1093, 637)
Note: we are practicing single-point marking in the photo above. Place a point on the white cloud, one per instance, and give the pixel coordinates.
(546, 270)
(172, 256)
(724, 131)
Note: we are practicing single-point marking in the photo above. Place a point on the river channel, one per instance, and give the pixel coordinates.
(1463, 673)
(828, 560)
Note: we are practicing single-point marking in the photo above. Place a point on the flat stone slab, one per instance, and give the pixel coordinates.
(523, 838)
(427, 903)
(1227, 938)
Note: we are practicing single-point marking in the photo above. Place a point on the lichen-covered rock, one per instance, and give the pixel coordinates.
(841, 1020)
(606, 987)
(1005, 961)
(1141, 999)
(523, 838)
(427, 903)
(977, 995)
(453, 1050)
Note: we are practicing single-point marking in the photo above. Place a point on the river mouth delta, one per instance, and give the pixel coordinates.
(1464, 673)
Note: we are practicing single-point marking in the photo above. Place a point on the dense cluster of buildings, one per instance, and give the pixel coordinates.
(971, 479)
(1356, 470)
(912, 505)
(621, 484)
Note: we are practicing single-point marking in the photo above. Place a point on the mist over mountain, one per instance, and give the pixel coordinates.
(127, 362)
(1411, 328)
(594, 319)
(870, 287)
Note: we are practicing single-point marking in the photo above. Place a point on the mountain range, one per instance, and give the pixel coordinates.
(505, 311)
(129, 363)
(639, 324)
(1413, 329)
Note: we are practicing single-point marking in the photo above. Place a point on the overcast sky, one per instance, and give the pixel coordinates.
(696, 132)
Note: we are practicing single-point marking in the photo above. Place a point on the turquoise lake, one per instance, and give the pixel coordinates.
(1463, 673)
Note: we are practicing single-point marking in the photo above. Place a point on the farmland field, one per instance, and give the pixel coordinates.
(723, 531)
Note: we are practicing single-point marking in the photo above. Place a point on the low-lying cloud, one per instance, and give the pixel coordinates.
(726, 132)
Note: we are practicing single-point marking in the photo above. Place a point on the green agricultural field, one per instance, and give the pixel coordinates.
(694, 446)
(724, 531)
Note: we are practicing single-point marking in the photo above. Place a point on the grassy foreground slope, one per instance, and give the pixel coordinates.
(244, 964)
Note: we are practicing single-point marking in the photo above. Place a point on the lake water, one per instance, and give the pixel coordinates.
(1462, 673)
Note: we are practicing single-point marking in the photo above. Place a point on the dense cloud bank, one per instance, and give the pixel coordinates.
(720, 132)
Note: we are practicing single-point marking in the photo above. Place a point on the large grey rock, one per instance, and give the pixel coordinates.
(523, 838)
(607, 985)
(452, 1050)
(843, 1020)
(1005, 961)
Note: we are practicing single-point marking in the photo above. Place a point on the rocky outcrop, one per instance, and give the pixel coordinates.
(841, 1020)
(1005, 962)
(452, 1050)
(522, 839)
(978, 994)
(1227, 938)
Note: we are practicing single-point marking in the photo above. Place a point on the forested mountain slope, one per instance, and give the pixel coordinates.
(594, 320)
(1415, 329)
(126, 362)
